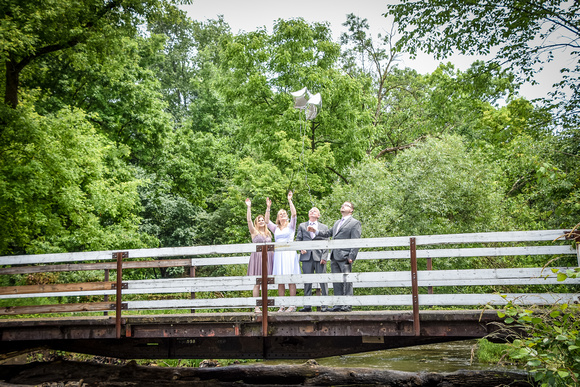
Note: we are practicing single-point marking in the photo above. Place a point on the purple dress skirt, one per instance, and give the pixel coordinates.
(255, 264)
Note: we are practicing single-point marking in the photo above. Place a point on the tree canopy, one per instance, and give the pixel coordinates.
(521, 35)
(127, 124)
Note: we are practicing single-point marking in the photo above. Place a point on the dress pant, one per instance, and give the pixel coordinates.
(341, 288)
(310, 267)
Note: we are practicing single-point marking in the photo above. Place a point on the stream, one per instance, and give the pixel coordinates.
(442, 357)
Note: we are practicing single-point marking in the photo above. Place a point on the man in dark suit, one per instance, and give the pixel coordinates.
(341, 260)
(313, 261)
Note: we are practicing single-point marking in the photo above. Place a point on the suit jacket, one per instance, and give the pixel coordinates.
(350, 229)
(302, 234)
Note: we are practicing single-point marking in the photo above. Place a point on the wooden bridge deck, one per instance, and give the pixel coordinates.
(450, 276)
(239, 335)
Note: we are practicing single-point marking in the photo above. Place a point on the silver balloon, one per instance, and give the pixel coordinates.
(300, 98)
(314, 103)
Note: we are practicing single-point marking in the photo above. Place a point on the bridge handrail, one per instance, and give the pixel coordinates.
(243, 260)
(439, 278)
(164, 252)
(391, 279)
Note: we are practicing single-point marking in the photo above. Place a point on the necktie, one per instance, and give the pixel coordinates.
(312, 234)
(340, 224)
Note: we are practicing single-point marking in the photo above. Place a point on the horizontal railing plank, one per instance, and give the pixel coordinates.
(58, 308)
(468, 277)
(55, 288)
(374, 300)
(243, 260)
(489, 237)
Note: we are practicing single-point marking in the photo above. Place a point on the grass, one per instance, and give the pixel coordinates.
(493, 353)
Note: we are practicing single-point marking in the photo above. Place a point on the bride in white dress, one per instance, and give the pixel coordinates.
(285, 262)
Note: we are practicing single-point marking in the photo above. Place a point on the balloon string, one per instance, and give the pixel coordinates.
(303, 158)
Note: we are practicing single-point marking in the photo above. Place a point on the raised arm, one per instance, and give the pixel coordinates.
(292, 208)
(249, 217)
(268, 205)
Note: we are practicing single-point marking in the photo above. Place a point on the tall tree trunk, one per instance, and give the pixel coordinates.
(12, 77)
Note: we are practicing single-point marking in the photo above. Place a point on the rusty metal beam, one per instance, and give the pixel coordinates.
(263, 282)
(119, 301)
(192, 275)
(230, 348)
(239, 335)
(415, 287)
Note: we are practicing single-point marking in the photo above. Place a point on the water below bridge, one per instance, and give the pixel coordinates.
(440, 357)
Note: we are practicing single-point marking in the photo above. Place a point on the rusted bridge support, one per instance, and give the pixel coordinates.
(119, 288)
(415, 288)
(192, 275)
(106, 313)
(239, 335)
(263, 282)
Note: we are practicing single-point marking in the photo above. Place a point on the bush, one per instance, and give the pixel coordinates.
(550, 347)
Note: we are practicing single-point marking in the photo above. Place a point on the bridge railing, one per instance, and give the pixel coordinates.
(550, 243)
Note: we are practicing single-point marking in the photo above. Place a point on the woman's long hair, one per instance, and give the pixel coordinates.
(266, 232)
(278, 217)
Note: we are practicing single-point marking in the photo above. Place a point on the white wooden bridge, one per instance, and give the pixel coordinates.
(397, 305)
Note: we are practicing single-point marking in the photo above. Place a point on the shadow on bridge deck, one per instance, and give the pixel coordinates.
(239, 335)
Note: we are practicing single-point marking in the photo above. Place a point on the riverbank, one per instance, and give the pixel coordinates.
(72, 374)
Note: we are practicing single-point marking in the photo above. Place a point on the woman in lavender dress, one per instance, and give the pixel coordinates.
(260, 234)
(285, 262)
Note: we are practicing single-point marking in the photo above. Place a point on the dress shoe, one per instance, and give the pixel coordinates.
(335, 309)
(346, 308)
(323, 309)
(305, 310)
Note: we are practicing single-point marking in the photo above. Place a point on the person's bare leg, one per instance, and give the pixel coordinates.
(256, 293)
(281, 293)
(292, 289)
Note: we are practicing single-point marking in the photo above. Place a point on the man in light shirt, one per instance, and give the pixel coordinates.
(341, 260)
(313, 261)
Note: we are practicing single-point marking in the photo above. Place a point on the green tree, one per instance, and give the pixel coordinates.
(34, 29)
(437, 187)
(79, 108)
(264, 69)
(406, 106)
(522, 35)
(392, 89)
(63, 186)
(187, 68)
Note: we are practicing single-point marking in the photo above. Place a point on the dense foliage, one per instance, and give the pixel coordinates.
(551, 346)
(127, 124)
